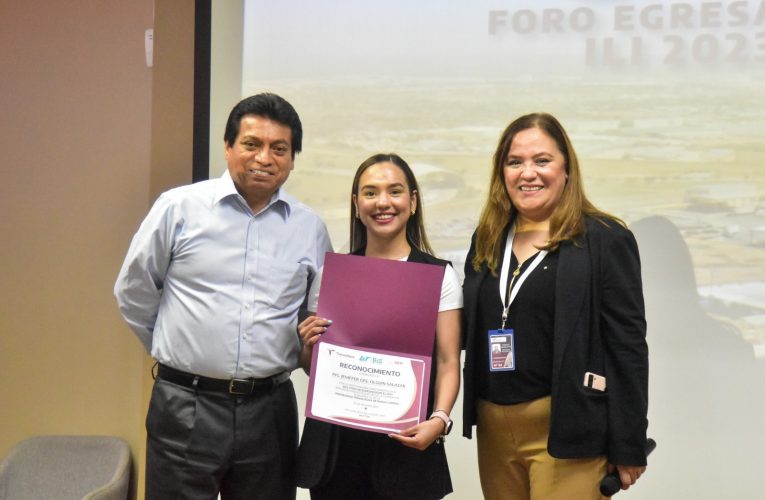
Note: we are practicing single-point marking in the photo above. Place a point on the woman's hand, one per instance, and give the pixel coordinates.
(310, 330)
(421, 435)
(628, 474)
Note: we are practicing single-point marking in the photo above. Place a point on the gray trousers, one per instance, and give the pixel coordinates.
(200, 443)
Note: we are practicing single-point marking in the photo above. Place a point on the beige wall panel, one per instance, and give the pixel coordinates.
(78, 172)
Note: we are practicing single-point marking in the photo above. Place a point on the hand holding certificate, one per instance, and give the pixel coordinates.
(371, 370)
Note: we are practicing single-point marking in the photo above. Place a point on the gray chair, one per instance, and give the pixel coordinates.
(66, 467)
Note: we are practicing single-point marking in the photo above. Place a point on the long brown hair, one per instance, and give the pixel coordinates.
(567, 220)
(415, 226)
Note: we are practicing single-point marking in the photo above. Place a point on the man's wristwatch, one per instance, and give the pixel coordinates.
(443, 416)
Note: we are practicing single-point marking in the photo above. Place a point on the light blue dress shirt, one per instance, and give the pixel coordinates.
(213, 289)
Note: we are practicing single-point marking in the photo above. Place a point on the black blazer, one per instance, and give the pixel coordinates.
(399, 471)
(599, 327)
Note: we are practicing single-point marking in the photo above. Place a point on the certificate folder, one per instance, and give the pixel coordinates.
(383, 316)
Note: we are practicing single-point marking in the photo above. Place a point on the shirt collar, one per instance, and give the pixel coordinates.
(280, 200)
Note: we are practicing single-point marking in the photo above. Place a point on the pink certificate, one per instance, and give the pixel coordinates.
(371, 370)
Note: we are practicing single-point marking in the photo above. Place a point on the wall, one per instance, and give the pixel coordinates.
(78, 171)
(225, 73)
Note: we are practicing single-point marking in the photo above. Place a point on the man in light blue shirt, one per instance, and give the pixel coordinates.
(211, 285)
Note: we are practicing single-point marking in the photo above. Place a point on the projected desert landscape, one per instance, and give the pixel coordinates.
(691, 153)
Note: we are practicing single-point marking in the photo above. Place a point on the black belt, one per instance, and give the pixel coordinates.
(234, 386)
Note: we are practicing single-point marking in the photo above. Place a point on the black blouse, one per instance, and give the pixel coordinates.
(531, 317)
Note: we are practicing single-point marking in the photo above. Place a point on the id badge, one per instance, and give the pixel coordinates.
(501, 350)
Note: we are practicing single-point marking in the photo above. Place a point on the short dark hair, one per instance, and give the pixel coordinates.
(269, 106)
(415, 226)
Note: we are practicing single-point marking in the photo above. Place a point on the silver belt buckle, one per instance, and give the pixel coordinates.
(235, 386)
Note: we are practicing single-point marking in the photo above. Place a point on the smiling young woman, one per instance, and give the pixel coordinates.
(384, 202)
(339, 462)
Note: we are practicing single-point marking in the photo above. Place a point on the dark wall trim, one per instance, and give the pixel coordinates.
(202, 30)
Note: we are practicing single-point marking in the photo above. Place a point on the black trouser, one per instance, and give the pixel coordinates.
(200, 443)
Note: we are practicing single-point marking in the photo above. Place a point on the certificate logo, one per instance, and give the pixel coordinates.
(370, 359)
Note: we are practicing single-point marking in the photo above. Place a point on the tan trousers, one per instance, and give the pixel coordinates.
(513, 461)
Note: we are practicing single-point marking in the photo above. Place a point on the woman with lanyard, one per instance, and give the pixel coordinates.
(339, 462)
(556, 362)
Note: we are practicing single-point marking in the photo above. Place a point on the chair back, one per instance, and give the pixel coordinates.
(66, 467)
